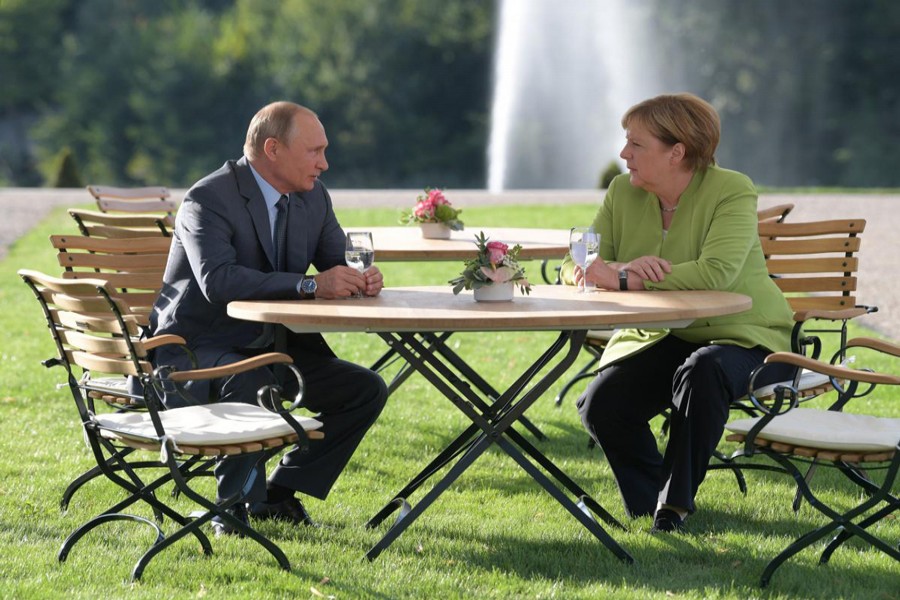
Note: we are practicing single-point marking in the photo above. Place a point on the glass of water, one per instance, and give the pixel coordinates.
(584, 248)
(359, 252)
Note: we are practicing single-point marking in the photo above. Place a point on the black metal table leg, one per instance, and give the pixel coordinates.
(492, 421)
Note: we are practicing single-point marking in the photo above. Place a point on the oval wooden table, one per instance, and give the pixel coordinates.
(407, 243)
(407, 318)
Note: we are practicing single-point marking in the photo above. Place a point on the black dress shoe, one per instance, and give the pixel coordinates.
(667, 521)
(290, 509)
(222, 527)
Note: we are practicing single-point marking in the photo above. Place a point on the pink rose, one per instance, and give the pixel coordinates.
(496, 252)
(436, 197)
(424, 210)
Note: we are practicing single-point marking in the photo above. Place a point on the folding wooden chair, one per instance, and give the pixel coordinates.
(95, 331)
(856, 444)
(133, 270)
(815, 264)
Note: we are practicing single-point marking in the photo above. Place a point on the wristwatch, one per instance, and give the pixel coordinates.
(308, 289)
(623, 280)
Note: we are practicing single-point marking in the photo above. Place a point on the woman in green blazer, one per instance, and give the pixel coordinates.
(676, 221)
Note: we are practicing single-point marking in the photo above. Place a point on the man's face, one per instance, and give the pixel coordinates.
(299, 162)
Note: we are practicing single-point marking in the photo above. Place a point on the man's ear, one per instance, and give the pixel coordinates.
(270, 147)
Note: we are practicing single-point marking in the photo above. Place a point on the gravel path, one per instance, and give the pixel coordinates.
(878, 282)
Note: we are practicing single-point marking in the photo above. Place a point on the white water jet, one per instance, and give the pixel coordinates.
(565, 72)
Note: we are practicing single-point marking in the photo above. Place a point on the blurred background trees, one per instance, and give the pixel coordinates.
(161, 91)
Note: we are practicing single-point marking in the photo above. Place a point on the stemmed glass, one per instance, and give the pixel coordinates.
(584, 248)
(359, 252)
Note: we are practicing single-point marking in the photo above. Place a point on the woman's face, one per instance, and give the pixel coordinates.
(648, 159)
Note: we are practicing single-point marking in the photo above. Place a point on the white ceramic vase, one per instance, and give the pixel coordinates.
(496, 292)
(434, 231)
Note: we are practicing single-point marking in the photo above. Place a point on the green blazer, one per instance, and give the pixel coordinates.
(712, 243)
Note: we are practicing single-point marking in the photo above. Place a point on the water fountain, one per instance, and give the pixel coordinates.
(564, 74)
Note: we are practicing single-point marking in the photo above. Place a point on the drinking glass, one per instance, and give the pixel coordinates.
(359, 252)
(591, 242)
(584, 247)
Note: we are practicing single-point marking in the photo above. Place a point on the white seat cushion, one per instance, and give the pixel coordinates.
(827, 430)
(808, 380)
(206, 425)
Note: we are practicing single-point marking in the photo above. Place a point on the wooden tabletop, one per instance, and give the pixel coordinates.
(549, 307)
(407, 243)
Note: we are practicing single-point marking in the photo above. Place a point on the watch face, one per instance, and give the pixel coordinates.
(308, 286)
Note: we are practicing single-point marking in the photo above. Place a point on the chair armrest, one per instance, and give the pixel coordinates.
(873, 344)
(832, 315)
(270, 358)
(835, 371)
(163, 340)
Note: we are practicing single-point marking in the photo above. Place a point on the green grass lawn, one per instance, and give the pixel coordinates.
(494, 534)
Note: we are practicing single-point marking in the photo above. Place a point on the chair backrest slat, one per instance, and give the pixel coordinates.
(103, 364)
(97, 225)
(780, 245)
(146, 245)
(118, 262)
(816, 284)
(139, 199)
(784, 266)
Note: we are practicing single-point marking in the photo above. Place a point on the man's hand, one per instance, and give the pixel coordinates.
(374, 281)
(340, 282)
(343, 282)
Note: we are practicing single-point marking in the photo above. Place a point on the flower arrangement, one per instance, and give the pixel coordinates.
(496, 263)
(433, 207)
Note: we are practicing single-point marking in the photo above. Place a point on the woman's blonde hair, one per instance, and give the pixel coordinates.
(275, 120)
(684, 118)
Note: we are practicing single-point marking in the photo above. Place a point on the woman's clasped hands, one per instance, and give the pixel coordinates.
(653, 268)
(605, 275)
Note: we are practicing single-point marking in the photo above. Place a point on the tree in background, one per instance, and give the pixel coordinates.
(30, 55)
(66, 174)
(159, 92)
(162, 92)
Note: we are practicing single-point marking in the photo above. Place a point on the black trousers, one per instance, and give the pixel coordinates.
(698, 383)
(347, 397)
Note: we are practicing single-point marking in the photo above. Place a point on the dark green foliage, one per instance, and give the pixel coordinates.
(611, 170)
(67, 175)
(150, 92)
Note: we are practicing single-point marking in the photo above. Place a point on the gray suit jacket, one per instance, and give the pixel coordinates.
(222, 251)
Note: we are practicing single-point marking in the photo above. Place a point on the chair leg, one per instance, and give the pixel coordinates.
(841, 522)
(728, 463)
(79, 533)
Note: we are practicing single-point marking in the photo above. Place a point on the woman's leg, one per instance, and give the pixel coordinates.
(704, 387)
(616, 409)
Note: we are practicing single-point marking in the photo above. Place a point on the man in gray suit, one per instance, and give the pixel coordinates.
(229, 245)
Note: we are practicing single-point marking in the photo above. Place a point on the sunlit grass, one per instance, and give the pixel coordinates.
(494, 534)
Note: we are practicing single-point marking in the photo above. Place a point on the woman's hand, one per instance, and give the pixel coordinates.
(653, 268)
(598, 274)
